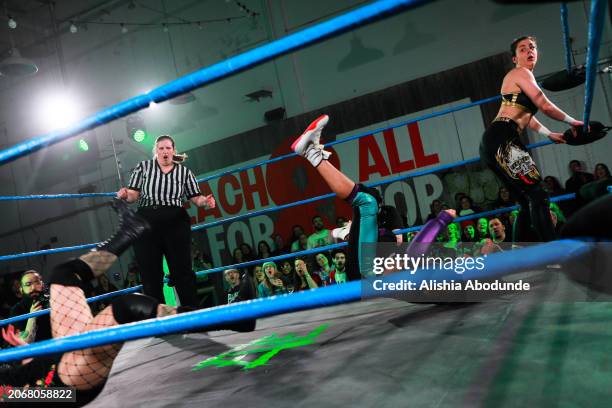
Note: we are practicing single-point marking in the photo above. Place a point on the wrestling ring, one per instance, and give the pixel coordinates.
(342, 345)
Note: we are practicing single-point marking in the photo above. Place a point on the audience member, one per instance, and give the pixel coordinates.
(273, 283)
(232, 278)
(504, 198)
(552, 186)
(458, 197)
(557, 217)
(258, 274)
(247, 252)
(323, 268)
(297, 231)
(237, 256)
(290, 277)
(305, 280)
(321, 236)
(35, 298)
(602, 172)
(469, 231)
(482, 228)
(435, 207)
(279, 245)
(338, 272)
(578, 177)
(263, 250)
(133, 276)
(497, 230)
(453, 238)
(467, 206)
(301, 244)
(240, 287)
(201, 261)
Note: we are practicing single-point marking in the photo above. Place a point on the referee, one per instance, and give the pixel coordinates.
(159, 186)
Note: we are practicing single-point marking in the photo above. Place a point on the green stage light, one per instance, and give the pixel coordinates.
(136, 129)
(83, 146)
(139, 135)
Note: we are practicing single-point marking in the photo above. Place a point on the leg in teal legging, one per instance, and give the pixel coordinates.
(364, 200)
(364, 230)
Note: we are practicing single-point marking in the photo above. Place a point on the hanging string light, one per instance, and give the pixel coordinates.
(246, 10)
(199, 24)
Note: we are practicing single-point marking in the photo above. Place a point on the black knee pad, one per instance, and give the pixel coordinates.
(72, 273)
(134, 307)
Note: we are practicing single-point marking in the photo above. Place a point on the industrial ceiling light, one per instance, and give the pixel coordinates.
(17, 66)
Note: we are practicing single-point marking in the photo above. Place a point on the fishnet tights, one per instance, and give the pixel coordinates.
(99, 261)
(70, 314)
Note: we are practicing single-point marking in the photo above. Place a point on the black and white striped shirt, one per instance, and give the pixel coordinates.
(157, 188)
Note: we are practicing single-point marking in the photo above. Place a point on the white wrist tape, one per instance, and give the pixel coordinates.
(568, 119)
(543, 130)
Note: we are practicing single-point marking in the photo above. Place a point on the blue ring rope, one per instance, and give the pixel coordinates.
(358, 136)
(92, 299)
(482, 214)
(566, 38)
(330, 195)
(282, 157)
(273, 258)
(276, 208)
(292, 42)
(53, 196)
(285, 256)
(243, 216)
(46, 252)
(497, 264)
(596, 23)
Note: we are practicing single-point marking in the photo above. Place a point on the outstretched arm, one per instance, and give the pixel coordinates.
(543, 130)
(525, 80)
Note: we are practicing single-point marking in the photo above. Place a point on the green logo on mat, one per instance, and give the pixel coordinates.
(268, 347)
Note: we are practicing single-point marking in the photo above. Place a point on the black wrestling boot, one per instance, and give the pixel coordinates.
(243, 326)
(131, 227)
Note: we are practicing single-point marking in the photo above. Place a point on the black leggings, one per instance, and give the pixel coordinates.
(503, 152)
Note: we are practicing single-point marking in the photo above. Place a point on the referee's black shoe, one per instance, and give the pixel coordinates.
(131, 227)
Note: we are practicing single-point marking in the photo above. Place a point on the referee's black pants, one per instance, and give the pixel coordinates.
(170, 235)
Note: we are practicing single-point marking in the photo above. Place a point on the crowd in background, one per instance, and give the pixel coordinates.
(467, 238)
(475, 237)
